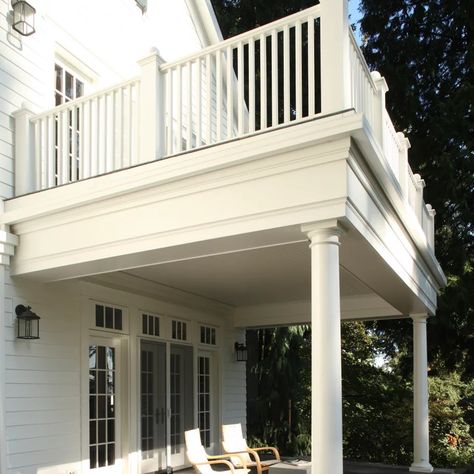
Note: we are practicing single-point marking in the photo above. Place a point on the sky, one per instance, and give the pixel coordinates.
(355, 15)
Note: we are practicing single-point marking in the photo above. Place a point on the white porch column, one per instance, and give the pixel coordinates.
(421, 443)
(326, 390)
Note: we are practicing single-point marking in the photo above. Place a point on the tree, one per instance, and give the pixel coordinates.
(279, 388)
(237, 16)
(425, 50)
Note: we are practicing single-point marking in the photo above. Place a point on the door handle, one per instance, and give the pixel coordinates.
(159, 414)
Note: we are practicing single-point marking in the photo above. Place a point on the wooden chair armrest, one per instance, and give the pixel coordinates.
(228, 455)
(222, 461)
(269, 448)
(255, 455)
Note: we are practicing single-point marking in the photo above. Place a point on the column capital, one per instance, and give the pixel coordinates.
(419, 318)
(328, 231)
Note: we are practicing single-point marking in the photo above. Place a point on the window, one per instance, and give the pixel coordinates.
(102, 406)
(179, 330)
(150, 325)
(107, 317)
(67, 87)
(208, 335)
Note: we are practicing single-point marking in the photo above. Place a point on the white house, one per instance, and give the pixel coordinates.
(162, 191)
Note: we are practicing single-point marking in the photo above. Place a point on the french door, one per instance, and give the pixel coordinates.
(166, 404)
(153, 406)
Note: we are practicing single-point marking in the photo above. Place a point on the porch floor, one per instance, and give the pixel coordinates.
(376, 468)
(363, 468)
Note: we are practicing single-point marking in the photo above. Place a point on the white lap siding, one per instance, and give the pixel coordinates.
(43, 385)
(233, 381)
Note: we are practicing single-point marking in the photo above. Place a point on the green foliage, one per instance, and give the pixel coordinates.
(377, 411)
(237, 16)
(425, 50)
(280, 412)
(452, 437)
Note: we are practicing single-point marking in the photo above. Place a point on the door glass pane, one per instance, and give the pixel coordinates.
(147, 408)
(102, 413)
(176, 400)
(204, 397)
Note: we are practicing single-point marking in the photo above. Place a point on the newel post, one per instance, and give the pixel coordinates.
(152, 112)
(403, 175)
(335, 63)
(430, 228)
(382, 89)
(419, 186)
(25, 164)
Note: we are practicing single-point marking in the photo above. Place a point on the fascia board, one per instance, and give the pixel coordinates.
(205, 21)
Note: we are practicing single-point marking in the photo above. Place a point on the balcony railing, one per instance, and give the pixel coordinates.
(86, 137)
(288, 71)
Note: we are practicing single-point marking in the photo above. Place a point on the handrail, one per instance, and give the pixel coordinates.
(361, 58)
(277, 24)
(85, 98)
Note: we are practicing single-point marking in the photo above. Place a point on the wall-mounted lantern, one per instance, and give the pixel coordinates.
(27, 323)
(23, 17)
(240, 352)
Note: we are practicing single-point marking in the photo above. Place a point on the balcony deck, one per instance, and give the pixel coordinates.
(291, 71)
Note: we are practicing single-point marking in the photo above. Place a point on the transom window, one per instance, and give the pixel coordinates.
(208, 335)
(150, 325)
(108, 317)
(179, 330)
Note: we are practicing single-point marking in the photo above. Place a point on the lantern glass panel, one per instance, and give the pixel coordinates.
(23, 18)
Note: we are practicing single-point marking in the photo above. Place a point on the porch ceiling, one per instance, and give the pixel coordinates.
(265, 275)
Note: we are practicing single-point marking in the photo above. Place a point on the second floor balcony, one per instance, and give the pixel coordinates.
(302, 68)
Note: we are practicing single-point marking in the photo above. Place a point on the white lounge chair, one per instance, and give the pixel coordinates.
(234, 442)
(202, 462)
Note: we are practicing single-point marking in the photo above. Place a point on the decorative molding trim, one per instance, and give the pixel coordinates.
(8, 243)
(372, 237)
(373, 158)
(383, 203)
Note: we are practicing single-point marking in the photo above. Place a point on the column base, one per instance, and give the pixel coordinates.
(421, 467)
